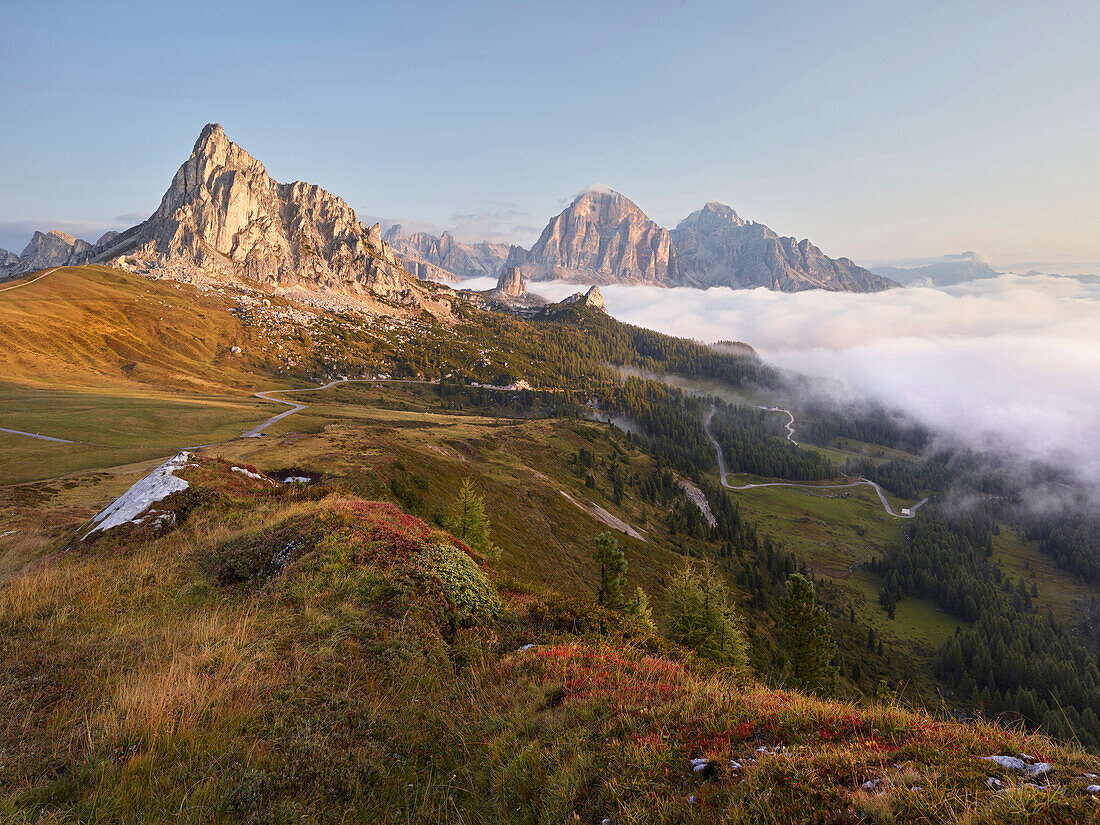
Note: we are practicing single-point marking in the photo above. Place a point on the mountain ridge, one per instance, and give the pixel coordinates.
(603, 237)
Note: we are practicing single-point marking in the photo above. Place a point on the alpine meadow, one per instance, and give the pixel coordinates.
(309, 514)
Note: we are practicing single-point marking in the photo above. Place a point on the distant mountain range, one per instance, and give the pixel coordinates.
(224, 216)
(951, 269)
(603, 237)
(444, 258)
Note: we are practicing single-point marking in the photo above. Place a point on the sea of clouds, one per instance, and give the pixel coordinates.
(1011, 361)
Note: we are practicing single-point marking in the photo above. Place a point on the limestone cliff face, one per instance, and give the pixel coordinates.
(225, 216)
(601, 237)
(48, 249)
(511, 282)
(445, 258)
(718, 248)
(605, 238)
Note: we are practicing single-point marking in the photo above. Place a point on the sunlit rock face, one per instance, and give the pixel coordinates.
(602, 237)
(718, 248)
(224, 215)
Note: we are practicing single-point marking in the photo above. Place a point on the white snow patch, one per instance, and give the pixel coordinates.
(9, 533)
(250, 474)
(297, 480)
(156, 486)
(1093, 789)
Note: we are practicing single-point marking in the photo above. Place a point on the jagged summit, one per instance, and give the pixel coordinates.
(445, 258)
(602, 236)
(719, 248)
(225, 217)
(593, 298)
(714, 213)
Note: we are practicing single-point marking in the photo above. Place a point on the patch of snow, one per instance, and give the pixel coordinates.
(735, 765)
(699, 765)
(1093, 789)
(994, 783)
(250, 474)
(9, 533)
(297, 480)
(156, 486)
(1039, 768)
(1089, 775)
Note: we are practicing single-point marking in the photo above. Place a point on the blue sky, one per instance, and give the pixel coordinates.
(879, 130)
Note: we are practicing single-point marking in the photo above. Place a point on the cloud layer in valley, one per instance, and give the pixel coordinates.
(1008, 361)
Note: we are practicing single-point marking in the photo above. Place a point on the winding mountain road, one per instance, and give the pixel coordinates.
(723, 474)
(296, 406)
(789, 425)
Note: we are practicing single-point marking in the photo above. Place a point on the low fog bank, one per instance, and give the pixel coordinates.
(1001, 363)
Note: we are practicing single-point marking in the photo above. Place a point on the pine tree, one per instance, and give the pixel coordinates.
(612, 564)
(469, 522)
(700, 616)
(639, 610)
(808, 639)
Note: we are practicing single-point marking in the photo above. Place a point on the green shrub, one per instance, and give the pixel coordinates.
(467, 587)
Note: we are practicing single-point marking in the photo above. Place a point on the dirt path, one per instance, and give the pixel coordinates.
(28, 283)
(36, 435)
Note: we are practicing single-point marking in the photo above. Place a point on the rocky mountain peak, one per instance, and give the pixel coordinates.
(511, 282)
(718, 248)
(713, 213)
(604, 236)
(224, 217)
(593, 298)
(445, 258)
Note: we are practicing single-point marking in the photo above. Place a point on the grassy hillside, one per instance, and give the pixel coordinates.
(151, 678)
(295, 653)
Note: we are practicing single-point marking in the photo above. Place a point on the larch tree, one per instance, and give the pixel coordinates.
(700, 616)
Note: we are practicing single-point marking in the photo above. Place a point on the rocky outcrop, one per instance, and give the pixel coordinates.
(603, 237)
(226, 217)
(719, 248)
(49, 249)
(593, 298)
(511, 282)
(8, 262)
(444, 258)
